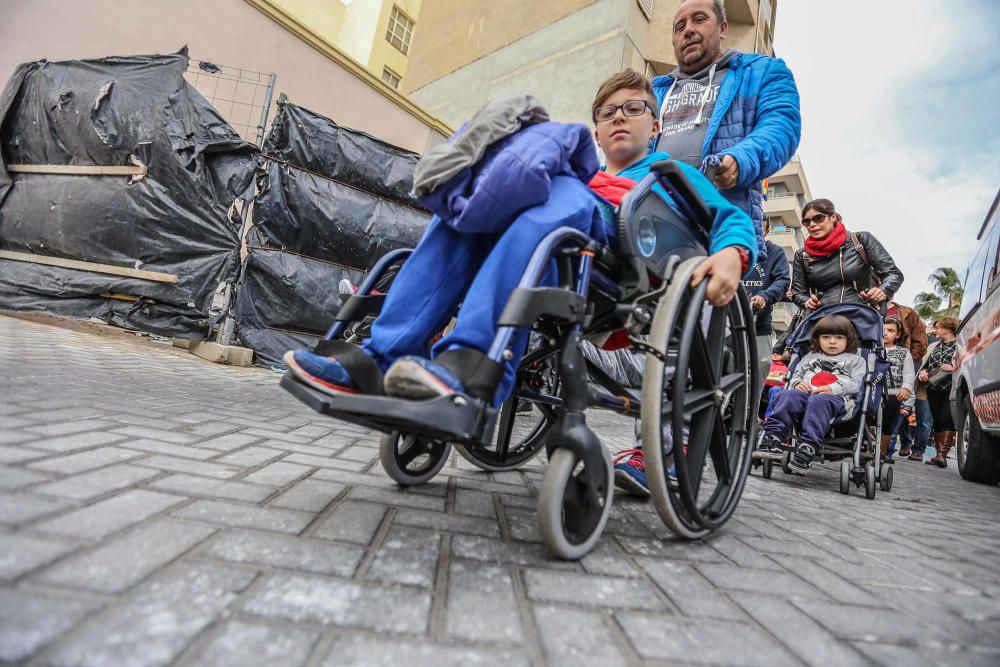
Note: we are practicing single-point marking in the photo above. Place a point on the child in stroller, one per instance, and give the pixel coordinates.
(821, 388)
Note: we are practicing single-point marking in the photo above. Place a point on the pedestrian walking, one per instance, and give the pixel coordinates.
(936, 373)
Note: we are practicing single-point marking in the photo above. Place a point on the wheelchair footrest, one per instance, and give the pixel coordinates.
(454, 418)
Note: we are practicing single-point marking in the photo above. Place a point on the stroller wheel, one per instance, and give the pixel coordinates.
(869, 480)
(410, 460)
(845, 476)
(574, 504)
(767, 466)
(786, 459)
(886, 480)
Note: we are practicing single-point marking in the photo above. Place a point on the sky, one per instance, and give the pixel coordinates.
(900, 120)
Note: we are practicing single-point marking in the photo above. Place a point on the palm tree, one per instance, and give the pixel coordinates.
(946, 288)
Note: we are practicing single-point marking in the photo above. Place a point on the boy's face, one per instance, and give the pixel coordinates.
(624, 139)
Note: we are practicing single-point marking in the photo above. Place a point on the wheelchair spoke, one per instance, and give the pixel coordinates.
(715, 340)
(417, 447)
(508, 414)
(720, 452)
(731, 382)
(697, 449)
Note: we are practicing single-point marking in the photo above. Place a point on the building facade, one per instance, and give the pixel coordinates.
(787, 192)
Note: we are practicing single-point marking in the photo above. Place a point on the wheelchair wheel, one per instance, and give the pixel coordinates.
(573, 511)
(766, 468)
(786, 460)
(706, 395)
(885, 481)
(845, 476)
(521, 426)
(410, 460)
(869, 480)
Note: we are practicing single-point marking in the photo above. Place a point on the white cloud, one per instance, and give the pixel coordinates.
(901, 110)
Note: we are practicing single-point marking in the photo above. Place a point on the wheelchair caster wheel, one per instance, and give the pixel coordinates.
(869, 480)
(410, 460)
(786, 463)
(885, 482)
(573, 508)
(845, 477)
(766, 467)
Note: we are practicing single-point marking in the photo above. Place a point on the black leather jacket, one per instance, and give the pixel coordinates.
(839, 277)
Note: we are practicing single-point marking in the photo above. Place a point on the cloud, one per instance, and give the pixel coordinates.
(901, 120)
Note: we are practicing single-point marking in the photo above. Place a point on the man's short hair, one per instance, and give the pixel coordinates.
(626, 79)
(719, 8)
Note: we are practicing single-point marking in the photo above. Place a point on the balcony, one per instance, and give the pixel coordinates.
(784, 209)
(794, 178)
(781, 316)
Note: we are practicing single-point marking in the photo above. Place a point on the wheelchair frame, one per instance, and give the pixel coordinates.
(717, 397)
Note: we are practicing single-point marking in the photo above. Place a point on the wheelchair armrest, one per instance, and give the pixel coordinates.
(679, 188)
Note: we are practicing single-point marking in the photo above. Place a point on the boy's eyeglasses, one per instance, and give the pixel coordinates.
(630, 108)
(815, 219)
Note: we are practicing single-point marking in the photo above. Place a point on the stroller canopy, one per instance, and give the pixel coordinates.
(865, 319)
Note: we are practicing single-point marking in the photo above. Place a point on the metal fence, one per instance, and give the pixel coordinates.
(242, 96)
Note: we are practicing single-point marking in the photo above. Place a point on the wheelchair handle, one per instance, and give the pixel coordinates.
(682, 192)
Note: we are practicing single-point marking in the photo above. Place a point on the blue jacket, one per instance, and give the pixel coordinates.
(513, 175)
(769, 279)
(730, 225)
(756, 120)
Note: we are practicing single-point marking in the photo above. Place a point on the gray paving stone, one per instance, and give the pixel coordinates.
(673, 548)
(690, 593)
(407, 556)
(365, 652)
(21, 553)
(509, 553)
(804, 636)
(446, 522)
(467, 618)
(829, 580)
(351, 522)
(22, 507)
(738, 552)
(201, 468)
(69, 427)
(889, 655)
(867, 623)
(291, 553)
(199, 486)
(118, 565)
(161, 434)
(110, 515)
(758, 581)
(20, 454)
(155, 625)
(474, 503)
(97, 482)
(168, 449)
(342, 604)
(29, 621)
(309, 495)
(573, 637)
(227, 443)
(604, 558)
(407, 499)
(15, 478)
(245, 516)
(280, 473)
(83, 461)
(250, 456)
(359, 454)
(701, 642)
(16, 437)
(590, 590)
(239, 644)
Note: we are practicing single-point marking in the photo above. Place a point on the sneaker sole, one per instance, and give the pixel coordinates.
(626, 483)
(313, 381)
(407, 379)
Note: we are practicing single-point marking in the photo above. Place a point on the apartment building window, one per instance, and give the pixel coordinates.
(647, 8)
(390, 77)
(400, 30)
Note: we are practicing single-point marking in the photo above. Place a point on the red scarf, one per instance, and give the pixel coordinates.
(612, 188)
(829, 244)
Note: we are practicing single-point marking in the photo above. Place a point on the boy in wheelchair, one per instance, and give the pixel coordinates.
(481, 269)
(821, 388)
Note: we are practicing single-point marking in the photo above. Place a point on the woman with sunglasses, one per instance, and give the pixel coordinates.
(838, 266)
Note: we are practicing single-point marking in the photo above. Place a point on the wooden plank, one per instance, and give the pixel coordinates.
(93, 267)
(79, 169)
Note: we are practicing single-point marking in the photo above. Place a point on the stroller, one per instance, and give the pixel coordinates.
(853, 439)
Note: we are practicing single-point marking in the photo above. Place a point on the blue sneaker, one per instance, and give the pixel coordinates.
(630, 472)
(419, 378)
(323, 373)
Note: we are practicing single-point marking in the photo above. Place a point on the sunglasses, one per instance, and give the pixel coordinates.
(815, 219)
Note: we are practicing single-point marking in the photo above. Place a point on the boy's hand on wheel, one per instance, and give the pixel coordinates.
(723, 272)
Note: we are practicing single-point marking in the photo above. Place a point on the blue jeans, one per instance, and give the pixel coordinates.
(480, 271)
(922, 437)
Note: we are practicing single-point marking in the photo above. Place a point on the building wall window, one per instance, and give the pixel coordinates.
(400, 30)
(390, 77)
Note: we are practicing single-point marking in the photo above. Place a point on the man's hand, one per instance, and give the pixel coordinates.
(903, 394)
(874, 294)
(727, 173)
(757, 301)
(723, 270)
(813, 303)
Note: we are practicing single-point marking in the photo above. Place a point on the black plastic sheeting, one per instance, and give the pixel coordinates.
(176, 219)
(315, 223)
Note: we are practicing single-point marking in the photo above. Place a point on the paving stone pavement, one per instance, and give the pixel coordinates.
(156, 509)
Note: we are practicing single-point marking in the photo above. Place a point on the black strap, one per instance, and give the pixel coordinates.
(860, 248)
(363, 369)
(480, 374)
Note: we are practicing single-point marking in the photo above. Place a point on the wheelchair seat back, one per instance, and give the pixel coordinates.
(653, 231)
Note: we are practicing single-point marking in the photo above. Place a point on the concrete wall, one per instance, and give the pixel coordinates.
(227, 32)
(562, 64)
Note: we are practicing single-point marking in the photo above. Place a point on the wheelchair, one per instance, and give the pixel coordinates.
(853, 439)
(699, 394)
